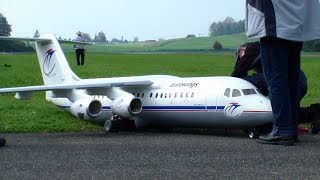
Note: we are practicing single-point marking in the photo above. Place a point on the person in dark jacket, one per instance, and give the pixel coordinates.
(282, 27)
(248, 59)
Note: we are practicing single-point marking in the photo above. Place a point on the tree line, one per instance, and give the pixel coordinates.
(227, 27)
(10, 46)
(230, 26)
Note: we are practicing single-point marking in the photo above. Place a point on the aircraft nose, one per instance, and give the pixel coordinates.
(265, 103)
(259, 104)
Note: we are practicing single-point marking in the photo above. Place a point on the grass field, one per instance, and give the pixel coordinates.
(38, 115)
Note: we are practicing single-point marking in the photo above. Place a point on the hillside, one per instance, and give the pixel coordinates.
(201, 44)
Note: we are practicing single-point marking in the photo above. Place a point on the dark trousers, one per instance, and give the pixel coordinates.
(305, 113)
(281, 65)
(80, 54)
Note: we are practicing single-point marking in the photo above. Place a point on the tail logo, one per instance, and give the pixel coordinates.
(233, 110)
(48, 66)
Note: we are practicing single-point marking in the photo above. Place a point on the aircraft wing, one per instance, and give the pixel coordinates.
(77, 85)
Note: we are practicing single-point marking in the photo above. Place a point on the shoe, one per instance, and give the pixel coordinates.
(315, 124)
(273, 139)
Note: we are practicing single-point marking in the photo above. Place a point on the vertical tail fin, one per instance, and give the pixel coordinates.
(54, 66)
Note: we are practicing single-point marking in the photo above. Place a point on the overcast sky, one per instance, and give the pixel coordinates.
(145, 19)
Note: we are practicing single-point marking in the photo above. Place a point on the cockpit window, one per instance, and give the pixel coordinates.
(259, 92)
(248, 91)
(227, 92)
(236, 93)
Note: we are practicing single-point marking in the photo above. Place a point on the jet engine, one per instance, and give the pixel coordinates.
(126, 106)
(86, 108)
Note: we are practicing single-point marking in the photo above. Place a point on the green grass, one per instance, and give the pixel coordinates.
(38, 115)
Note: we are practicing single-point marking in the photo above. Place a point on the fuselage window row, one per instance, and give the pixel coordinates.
(166, 95)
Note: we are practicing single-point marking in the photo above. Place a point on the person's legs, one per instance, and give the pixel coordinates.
(294, 77)
(82, 56)
(78, 56)
(281, 76)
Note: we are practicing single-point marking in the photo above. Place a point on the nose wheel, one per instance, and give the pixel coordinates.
(253, 133)
(2, 142)
(112, 124)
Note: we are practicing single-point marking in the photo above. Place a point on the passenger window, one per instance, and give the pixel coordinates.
(187, 94)
(175, 95)
(142, 95)
(170, 95)
(181, 95)
(161, 95)
(156, 95)
(165, 95)
(248, 91)
(236, 93)
(227, 92)
(192, 95)
(150, 95)
(138, 94)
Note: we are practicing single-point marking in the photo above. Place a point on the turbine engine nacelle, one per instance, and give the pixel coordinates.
(126, 106)
(86, 108)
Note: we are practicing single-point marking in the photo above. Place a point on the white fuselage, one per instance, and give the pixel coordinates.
(210, 102)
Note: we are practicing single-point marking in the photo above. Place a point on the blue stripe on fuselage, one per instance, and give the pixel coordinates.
(168, 108)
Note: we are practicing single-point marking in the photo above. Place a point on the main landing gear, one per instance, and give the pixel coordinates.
(2, 142)
(254, 133)
(116, 124)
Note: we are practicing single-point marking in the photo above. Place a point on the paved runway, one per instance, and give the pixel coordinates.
(157, 155)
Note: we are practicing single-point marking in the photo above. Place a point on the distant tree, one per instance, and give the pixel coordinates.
(161, 39)
(217, 45)
(228, 26)
(86, 37)
(115, 40)
(135, 39)
(101, 37)
(5, 27)
(10, 46)
(36, 34)
(313, 45)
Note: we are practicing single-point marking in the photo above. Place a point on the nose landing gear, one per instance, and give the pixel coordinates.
(116, 123)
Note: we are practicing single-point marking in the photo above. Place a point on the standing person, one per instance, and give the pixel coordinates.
(282, 27)
(79, 49)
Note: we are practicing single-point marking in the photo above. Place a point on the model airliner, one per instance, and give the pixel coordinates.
(147, 101)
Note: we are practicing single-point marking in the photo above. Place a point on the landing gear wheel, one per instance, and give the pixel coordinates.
(112, 124)
(253, 133)
(108, 126)
(2, 142)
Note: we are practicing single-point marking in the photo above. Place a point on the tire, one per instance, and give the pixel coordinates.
(253, 133)
(2, 142)
(108, 126)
